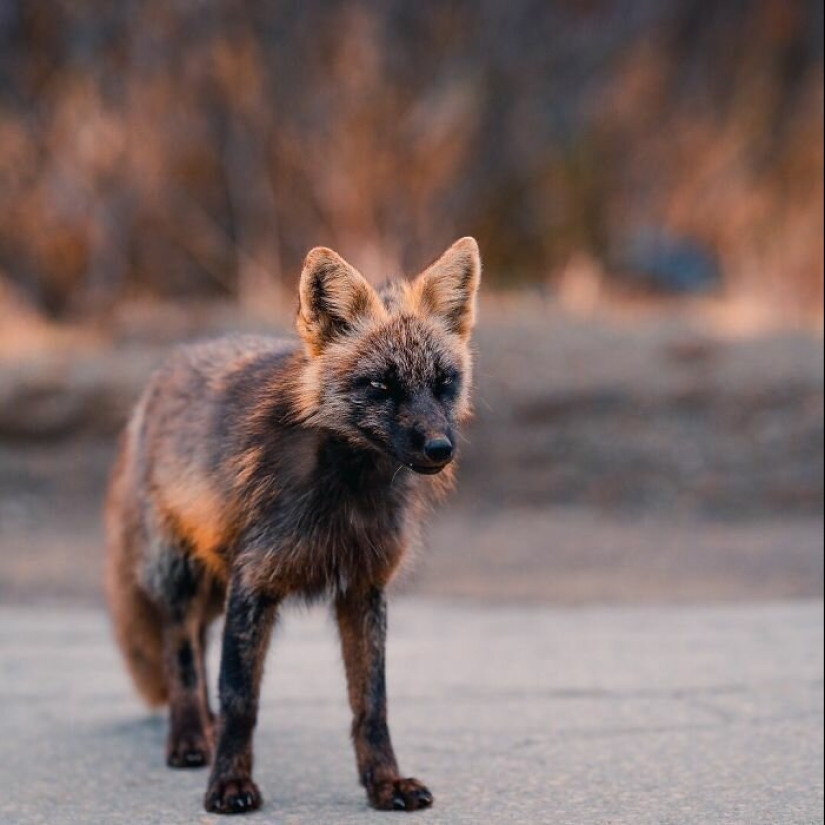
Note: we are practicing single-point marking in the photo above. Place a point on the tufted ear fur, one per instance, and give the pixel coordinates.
(448, 288)
(334, 297)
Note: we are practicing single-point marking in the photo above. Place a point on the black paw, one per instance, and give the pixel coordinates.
(400, 795)
(236, 795)
(190, 751)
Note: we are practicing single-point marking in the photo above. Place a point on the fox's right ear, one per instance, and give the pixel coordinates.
(334, 297)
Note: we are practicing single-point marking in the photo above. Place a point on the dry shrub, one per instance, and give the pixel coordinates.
(195, 149)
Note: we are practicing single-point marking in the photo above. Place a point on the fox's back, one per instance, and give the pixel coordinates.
(177, 464)
(191, 400)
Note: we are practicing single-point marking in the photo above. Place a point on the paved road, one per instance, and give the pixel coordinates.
(648, 715)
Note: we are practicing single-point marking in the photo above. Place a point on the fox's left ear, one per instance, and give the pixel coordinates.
(448, 288)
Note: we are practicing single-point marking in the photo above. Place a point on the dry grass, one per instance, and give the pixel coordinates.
(156, 149)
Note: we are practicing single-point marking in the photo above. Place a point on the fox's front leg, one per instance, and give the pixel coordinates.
(248, 626)
(362, 622)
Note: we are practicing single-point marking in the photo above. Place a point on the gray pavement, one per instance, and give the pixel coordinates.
(531, 715)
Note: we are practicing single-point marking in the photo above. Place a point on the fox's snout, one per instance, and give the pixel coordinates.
(427, 440)
(439, 450)
(435, 453)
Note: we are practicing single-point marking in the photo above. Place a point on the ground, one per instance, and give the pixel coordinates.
(577, 716)
(617, 619)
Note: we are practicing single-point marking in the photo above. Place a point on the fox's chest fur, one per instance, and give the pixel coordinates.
(344, 522)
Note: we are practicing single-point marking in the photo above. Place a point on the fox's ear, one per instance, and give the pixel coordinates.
(448, 288)
(334, 297)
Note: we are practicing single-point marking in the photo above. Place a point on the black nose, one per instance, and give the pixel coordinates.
(439, 450)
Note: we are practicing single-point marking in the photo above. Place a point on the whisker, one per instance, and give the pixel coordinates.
(395, 474)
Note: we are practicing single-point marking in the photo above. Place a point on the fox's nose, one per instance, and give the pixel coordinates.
(439, 450)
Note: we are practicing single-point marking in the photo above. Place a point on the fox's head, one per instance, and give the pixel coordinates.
(390, 370)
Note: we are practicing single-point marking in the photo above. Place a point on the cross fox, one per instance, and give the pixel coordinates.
(254, 470)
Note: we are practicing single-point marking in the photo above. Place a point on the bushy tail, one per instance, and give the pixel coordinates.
(138, 633)
(137, 623)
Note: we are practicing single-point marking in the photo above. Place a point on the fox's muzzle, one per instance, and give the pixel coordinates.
(439, 450)
(428, 442)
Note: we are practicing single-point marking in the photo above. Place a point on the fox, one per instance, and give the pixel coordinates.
(255, 470)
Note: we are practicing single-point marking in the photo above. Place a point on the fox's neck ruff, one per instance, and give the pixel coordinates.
(365, 473)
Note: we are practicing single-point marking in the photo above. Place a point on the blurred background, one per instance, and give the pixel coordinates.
(645, 178)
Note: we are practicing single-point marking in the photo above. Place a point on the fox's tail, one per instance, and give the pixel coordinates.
(136, 620)
(138, 633)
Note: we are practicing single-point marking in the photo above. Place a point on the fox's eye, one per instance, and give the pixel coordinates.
(445, 385)
(380, 386)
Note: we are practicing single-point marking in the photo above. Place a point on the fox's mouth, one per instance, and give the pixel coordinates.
(427, 469)
(422, 469)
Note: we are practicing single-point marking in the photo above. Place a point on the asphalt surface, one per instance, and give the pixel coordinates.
(531, 715)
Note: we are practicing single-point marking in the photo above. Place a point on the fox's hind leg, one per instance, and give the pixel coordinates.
(187, 600)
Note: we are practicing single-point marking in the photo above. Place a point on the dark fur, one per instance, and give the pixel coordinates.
(255, 470)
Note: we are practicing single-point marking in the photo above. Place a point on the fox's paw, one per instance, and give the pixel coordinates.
(400, 795)
(188, 750)
(233, 795)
